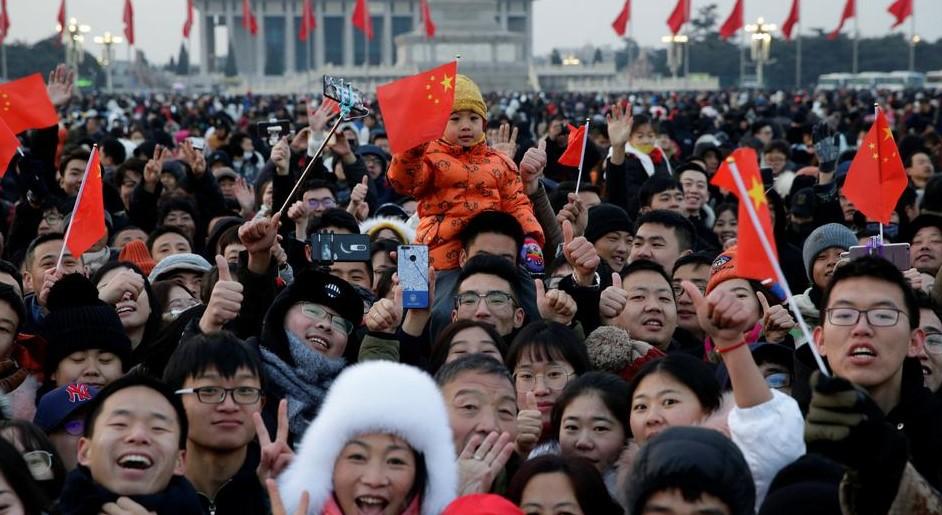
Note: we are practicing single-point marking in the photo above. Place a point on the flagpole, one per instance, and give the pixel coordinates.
(585, 139)
(876, 112)
(856, 40)
(78, 198)
(798, 51)
(770, 255)
(912, 39)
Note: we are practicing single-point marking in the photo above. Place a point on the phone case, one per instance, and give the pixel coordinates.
(413, 276)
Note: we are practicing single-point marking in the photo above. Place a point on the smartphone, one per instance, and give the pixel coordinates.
(330, 248)
(768, 178)
(896, 253)
(345, 94)
(272, 130)
(413, 275)
(197, 143)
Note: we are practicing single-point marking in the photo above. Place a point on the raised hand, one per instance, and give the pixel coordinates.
(245, 194)
(581, 256)
(613, 300)
(776, 320)
(575, 213)
(121, 284)
(275, 455)
(385, 315)
(299, 142)
(358, 198)
(60, 84)
(193, 157)
(258, 236)
(299, 213)
(225, 301)
(154, 167)
(529, 426)
(722, 316)
(506, 142)
(281, 155)
(619, 125)
(50, 278)
(318, 118)
(481, 461)
(555, 305)
(531, 167)
(278, 506)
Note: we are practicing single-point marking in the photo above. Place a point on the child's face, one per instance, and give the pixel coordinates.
(643, 137)
(464, 128)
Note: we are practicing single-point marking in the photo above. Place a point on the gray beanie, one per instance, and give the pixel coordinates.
(823, 238)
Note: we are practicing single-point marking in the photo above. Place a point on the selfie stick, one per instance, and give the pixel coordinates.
(585, 139)
(348, 100)
(770, 255)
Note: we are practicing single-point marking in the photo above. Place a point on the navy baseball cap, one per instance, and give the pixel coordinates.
(56, 406)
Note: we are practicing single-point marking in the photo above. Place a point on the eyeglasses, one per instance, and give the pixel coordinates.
(877, 317)
(37, 459)
(319, 314)
(933, 343)
(327, 203)
(778, 380)
(217, 394)
(679, 289)
(555, 378)
(493, 299)
(74, 427)
(53, 218)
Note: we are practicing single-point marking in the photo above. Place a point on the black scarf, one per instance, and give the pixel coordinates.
(81, 495)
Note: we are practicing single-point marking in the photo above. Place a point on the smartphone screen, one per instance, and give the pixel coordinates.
(413, 276)
(896, 253)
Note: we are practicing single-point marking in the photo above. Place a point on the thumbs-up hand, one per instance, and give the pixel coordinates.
(531, 167)
(225, 301)
(581, 256)
(385, 315)
(722, 316)
(529, 426)
(575, 213)
(613, 300)
(776, 320)
(555, 305)
(357, 198)
(258, 236)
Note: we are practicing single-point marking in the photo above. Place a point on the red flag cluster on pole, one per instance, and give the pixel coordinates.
(792, 19)
(188, 24)
(4, 21)
(752, 262)
(621, 22)
(129, 22)
(427, 19)
(415, 109)
(572, 156)
(734, 22)
(25, 105)
(877, 177)
(850, 11)
(361, 18)
(308, 21)
(900, 9)
(88, 217)
(249, 23)
(679, 16)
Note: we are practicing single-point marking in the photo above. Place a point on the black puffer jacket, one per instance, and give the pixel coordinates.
(692, 459)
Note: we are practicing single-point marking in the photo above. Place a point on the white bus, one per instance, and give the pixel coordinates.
(899, 81)
(833, 81)
(934, 80)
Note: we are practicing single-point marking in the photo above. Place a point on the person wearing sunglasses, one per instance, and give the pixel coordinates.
(61, 414)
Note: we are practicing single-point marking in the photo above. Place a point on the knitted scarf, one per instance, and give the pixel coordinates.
(81, 495)
(305, 384)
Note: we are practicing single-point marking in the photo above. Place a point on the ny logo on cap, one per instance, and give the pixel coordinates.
(333, 290)
(78, 392)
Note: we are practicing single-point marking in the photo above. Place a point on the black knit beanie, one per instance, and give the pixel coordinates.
(78, 321)
(606, 218)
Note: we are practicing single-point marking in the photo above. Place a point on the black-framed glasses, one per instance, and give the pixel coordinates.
(53, 218)
(319, 314)
(933, 343)
(555, 378)
(217, 394)
(493, 299)
(877, 317)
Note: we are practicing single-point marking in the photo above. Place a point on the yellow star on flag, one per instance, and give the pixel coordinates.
(889, 133)
(757, 193)
(446, 82)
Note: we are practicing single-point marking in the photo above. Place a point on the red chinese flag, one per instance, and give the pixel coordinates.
(308, 21)
(679, 16)
(361, 18)
(129, 22)
(792, 19)
(574, 147)
(4, 21)
(88, 217)
(877, 177)
(188, 24)
(734, 22)
(850, 10)
(415, 109)
(25, 105)
(900, 9)
(249, 23)
(751, 261)
(427, 19)
(8, 146)
(621, 22)
(60, 18)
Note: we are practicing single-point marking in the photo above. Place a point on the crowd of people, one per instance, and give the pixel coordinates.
(588, 346)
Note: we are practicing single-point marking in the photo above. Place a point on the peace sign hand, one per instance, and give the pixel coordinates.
(275, 455)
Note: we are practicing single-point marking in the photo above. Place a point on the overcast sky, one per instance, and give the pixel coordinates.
(557, 23)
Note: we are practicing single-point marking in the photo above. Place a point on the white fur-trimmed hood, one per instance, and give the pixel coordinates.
(378, 396)
(378, 223)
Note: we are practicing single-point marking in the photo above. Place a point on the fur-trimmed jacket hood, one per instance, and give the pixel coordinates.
(375, 397)
(403, 230)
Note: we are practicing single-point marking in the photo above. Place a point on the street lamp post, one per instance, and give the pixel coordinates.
(107, 41)
(675, 52)
(74, 52)
(761, 46)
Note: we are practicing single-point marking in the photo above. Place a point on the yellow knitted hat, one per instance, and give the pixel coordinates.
(468, 97)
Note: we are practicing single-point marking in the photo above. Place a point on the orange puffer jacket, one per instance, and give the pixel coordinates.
(452, 184)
